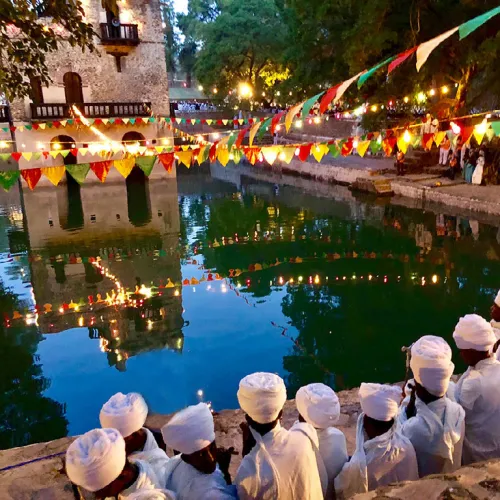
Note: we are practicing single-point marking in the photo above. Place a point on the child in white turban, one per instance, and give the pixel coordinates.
(319, 406)
(98, 463)
(433, 423)
(478, 390)
(193, 474)
(277, 464)
(127, 413)
(383, 455)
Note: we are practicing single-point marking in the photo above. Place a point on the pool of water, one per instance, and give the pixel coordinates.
(224, 278)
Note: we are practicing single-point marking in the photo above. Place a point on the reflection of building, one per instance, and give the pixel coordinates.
(133, 228)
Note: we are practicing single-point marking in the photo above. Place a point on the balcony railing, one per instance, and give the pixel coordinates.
(123, 34)
(4, 114)
(90, 110)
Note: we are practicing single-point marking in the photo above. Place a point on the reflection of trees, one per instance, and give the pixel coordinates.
(26, 416)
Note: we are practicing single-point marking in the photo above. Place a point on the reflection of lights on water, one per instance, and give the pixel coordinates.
(370, 277)
(423, 281)
(179, 343)
(150, 324)
(435, 278)
(176, 293)
(316, 279)
(238, 285)
(281, 281)
(223, 288)
(80, 321)
(301, 279)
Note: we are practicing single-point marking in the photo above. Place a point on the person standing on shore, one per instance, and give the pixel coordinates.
(478, 390)
(383, 455)
(433, 423)
(278, 464)
(319, 406)
(193, 474)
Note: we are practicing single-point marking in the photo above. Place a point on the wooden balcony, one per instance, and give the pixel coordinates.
(90, 110)
(123, 34)
(4, 114)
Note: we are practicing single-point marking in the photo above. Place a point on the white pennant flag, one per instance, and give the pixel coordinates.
(344, 86)
(424, 50)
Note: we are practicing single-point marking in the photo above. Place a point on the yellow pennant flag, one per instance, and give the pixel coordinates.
(124, 166)
(223, 141)
(223, 156)
(64, 123)
(105, 121)
(193, 121)
(287, 154)
(294, 110)
(83, 151)
(270, 153)
(42, 126)
(125, 120)
(209, 122)
(185, 157)
(185, 147)
(54, 174)
(319, 150)
(159, 149)
(27, 156)
(203, 154)
(253, 131)
(241, 121)
(479, 136)
(225, 122)
(53, 153)
(362, 147)
(439, 137)
(402, 145)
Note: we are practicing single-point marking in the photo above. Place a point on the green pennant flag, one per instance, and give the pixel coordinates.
(78, 172)
(111, 120)
(450, 135)
(362, 79)
(91, 121)
(37, 155)
(496, 127)
(5, 130)
(5, 156)
(375, 147)
(151, 119)
(237, 155)
(132, 121)
(204, 154)
(9, 178)
(263, 127)
(28, 127)
(232, 140)
(334, 150)
(70, 122)
(146, 164)
(472, 25)
(64, 153)
(309, 104)
(49, 124)
(417, 142)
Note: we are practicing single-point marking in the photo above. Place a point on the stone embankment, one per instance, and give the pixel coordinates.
(41, 478)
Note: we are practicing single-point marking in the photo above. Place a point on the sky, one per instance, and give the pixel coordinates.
(180, 5)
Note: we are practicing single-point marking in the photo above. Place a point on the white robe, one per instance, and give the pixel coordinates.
(333, 450)
(189, 483)
(496, 329)
(154, 455)
(477, 176)
(478, 391)
(146, 480)
(388, 458)
(284, 464)
(437, 434)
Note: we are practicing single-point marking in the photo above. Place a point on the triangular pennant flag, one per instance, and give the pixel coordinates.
(27, 156)
(37, 155)
(294, 111)
(241, 136)
(209, 122)
(132, 121)
(16, 155)
(146, 164)
(105, 121)
(167, 160)
(490, 133)
(344, 86)
(54, 153)
(225, 122)
(439, 137)
(388, 145)
(375, 147)
(450, 134)
(253, 131)
(5, 156)
(203, 154)
(309, 104)
(270, 153)
(427, 140)
(400, 59)
(328, 98)
(31, 176)
(287, 154)
(29, 127)
(347, 147)
(223, 156)
(8, 178)
(369, 73)
(424, 50)
(472, 25)
(276, 119)
(212, 152)
(231, 140)
(496, 127)
(417, 141)
(159, 149)
(319, 150)
(466, 133)
(402, 145)
(83, 151)
(125, 120)
(304, 151)
(362, 148)
(185, 157)
(478, 136)
(54, 174)
(252, 154)
(101, 169)
(64, 153)
(237, 155)
(264, 127)
(334, 149)
(124, 166)
(241, 122)
(178, 120)
(42, 126)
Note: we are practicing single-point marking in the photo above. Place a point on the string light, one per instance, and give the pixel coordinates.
(432, 92)
(445, 90)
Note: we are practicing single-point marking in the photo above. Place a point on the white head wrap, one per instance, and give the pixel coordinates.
(144, 494)
(262, 396)
(380, 402)
(474, 332)
(497, 299)
(96, 459)
(431, 364)
(125, 412)
(319, 405)
(190, 430)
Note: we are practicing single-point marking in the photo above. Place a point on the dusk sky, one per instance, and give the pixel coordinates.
(180, 5)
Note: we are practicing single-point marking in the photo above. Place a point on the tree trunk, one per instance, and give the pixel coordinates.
(463, 87)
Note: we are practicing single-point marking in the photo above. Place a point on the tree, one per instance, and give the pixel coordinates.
(31, 29)
(171, 42)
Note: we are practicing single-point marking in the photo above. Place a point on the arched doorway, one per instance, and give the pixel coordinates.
(73, 88)
(138, 201)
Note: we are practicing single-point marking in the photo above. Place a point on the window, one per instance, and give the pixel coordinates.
(73, 88)
(36, 90)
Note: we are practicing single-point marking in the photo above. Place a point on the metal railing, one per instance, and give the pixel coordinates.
(123, 34)
(90, 110)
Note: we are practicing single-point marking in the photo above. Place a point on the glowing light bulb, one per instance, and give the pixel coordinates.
(374, 108)
(432, 92)
(482, 127)
(317, 120)
(455, 128)
(298, 123)
(435, 278)
(215, 90)
(445, 90)
(406, 100)
(407, 136)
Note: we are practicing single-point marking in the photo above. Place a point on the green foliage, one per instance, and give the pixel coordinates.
(171, 41)
(25, 39)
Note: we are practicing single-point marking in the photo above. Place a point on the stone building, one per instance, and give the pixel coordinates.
(125, 78)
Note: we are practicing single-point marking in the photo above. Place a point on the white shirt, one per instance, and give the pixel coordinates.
(437, 434)
(189, 483)
(333, 450)
(496, 330)
(388, 458)
(478, 391)
(283, 465)
(146, 480)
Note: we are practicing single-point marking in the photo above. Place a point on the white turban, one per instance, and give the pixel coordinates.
(431, 364)
(96, 459)
(380, 402)
(143, 494)
(190, 430)
(319, 405)
(262, 396)
(125, 412)
(474, 332)
(497, 299)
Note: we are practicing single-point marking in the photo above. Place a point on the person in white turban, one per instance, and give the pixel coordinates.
(433, 423)
(495, 323)
(478, 390)
(127, 413)
(383, 455)
(201, 470)
(97, 462)
(277, 463)
(319, 406)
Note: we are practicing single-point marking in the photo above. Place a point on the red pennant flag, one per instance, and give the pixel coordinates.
(74, 151)
(252, 154)
(212, 154)
(97, 121)
(328, 98)
(118, 121)
(427, 139)
(13, 129)
(400, 59)
(203, 121)
(276, 119)
(31, 176)
(347, 147)
(16, 155)
(35, 126)
(167, 160)
(240, 138)
(388, 145)
(304, 152)
(219, 122)
(101, 169)
(45, 154)
(56, 124)
(466, 133)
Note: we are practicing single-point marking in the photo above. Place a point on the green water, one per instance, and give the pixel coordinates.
(351, 281)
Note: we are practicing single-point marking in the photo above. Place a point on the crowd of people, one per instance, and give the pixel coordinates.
(194, 107)
(432, 426)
